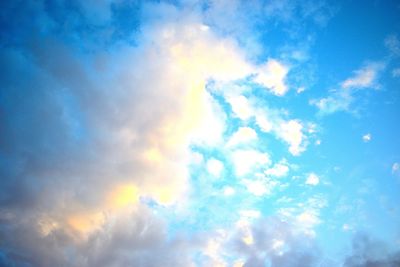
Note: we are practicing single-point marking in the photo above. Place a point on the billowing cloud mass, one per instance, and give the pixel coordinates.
(170, 133)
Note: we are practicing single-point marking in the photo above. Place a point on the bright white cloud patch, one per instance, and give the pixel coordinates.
(291, 132)
(243, 135)
(367, 137)
(228, 191)
(259, 187)
(264, 124)
(278, 170)
(312, 179)
(246, 160)
(215, 167)
(240, 106)
(272, 75)
(308, 220)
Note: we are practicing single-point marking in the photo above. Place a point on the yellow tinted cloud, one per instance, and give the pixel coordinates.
(85, 222)
(123, 196)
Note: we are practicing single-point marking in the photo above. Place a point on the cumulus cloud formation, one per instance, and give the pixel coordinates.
(272, 76)
(99, 149)
(153, 133)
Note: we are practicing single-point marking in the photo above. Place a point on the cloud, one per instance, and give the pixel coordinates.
(240, 106)
(245, 160)
(366, 137)
(291, 132)
(260, 186)
(342, 98)
(312, 179)
(275, 243)
(215, 167)
(395, 167)
(369, 252)
(112, 132)
(393, 44)
(364, 77)
(272, 75)
(396, 72)
(241, 136)
(280, 169)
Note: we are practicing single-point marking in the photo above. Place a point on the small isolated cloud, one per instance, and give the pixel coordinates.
(215, 167)
(347, 227)
(312, 179)
(364, 77)
(243, 135)
(367, 137)
(272, 75)
(300, 90)
(342, 98)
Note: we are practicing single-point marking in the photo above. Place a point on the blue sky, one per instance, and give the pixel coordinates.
(200, 133)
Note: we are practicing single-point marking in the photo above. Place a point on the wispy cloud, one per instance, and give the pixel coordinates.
(342, 98)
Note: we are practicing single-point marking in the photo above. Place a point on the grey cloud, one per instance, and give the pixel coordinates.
(368, 252)
(277, 244)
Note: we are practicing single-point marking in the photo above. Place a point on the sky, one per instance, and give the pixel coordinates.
(192, 133)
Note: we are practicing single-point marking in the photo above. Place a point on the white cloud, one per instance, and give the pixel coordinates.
(291, 132)
(247, 159)
(338, 101)
(364, 77)
(308, 220)
(272, 75)
(228, 191)
(240, 106)
(312, 179)
(341, 99)
(250, 214)
(300, 90)
(264, 124)
(279, 170)
(257, 187)
(242, 135)
(367, 137)
(215, 167)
